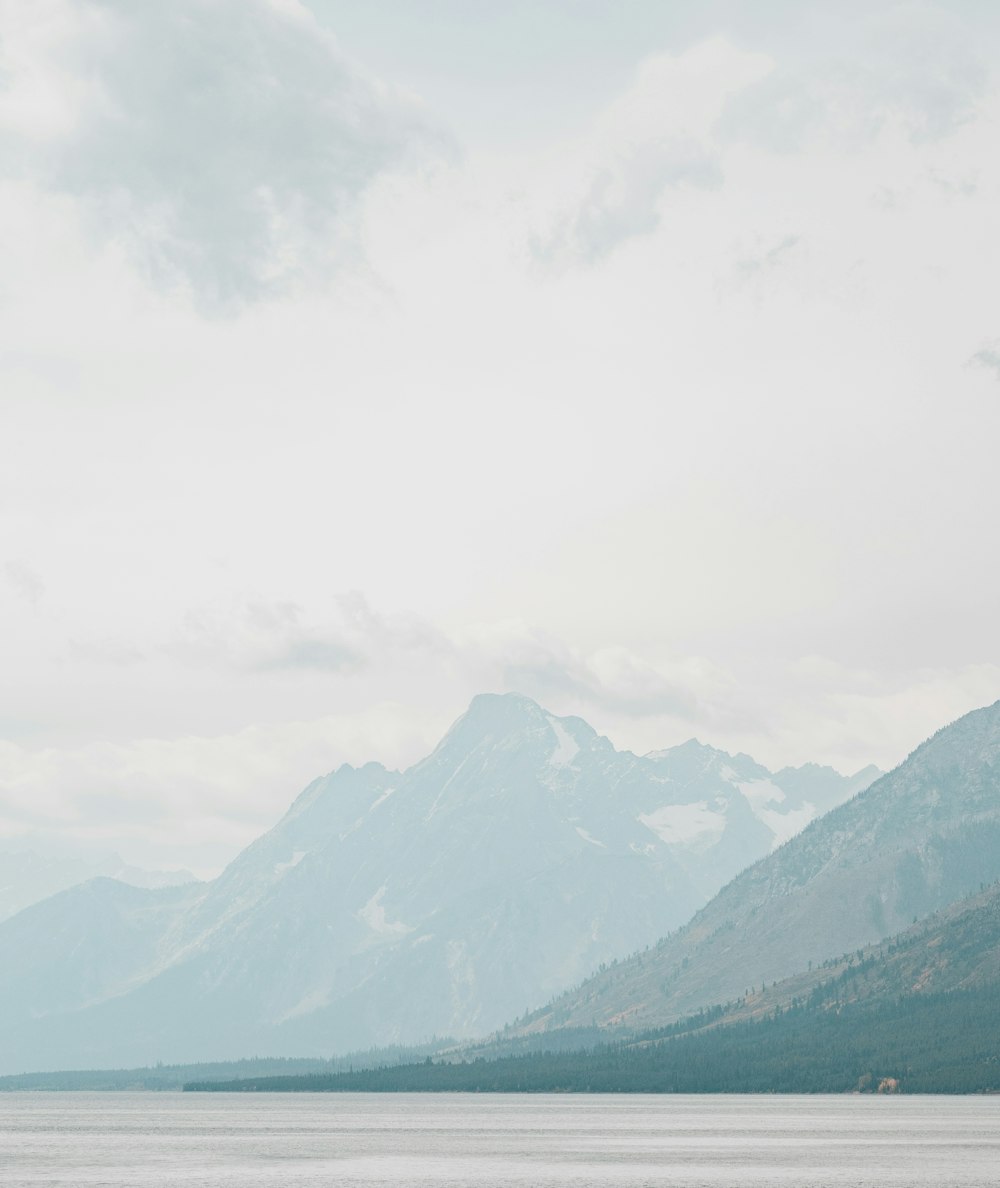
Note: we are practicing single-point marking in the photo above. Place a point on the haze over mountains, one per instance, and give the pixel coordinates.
(918, 839)
(523, 853)
(915, 1011)
(30, 875)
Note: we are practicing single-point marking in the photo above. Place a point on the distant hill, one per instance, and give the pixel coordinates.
(28, 876)
(389, 907)
(918, 839)
(171, 1077)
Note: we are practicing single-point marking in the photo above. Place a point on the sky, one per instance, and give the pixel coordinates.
(640, 357)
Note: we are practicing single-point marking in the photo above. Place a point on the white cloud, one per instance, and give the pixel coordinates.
(641, 490)
(224, 142)
(201, 797)
(194, 800)
(919, 67)
(513, 656)
(655, 138)
(24, 581)
(845, 714)
(264, 637)
(989, 358)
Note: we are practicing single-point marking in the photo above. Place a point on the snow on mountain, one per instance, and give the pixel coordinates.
(391, 906)
(916, 841)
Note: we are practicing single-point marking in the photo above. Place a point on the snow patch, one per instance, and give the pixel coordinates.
(373, 914)
(587, 838)
(761, 793)
(693, 825)
(444, 788)
(566, 746)
(296, 858)
(310, 1002)
(385, 796)
(353, 829)
(647, 849)
(786, 825)
(762, 796)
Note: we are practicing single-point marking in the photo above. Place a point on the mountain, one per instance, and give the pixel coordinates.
(387, 907)
(954, 950)
(27, 876)
(918, 839)
(914, 1015)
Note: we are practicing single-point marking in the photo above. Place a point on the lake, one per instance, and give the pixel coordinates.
(116, 1140)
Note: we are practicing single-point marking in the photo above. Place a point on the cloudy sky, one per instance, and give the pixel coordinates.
(642, 357)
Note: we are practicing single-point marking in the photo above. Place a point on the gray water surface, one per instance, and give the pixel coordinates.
(145, 1140)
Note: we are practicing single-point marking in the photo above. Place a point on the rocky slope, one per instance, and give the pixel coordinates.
(523, 853)
(918, 839)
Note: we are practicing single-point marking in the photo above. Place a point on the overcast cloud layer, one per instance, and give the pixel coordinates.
(352, 364)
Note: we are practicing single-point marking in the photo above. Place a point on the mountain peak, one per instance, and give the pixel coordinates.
(492, 716)
(693, 759)
(692, 746)
(503, 707)
(502, 715)
(502, 723)
(867, 774)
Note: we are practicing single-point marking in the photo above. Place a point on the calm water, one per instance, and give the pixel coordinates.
(245, 1141)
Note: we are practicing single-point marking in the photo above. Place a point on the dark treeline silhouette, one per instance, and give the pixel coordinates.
(174, 1076)
(927, 1043)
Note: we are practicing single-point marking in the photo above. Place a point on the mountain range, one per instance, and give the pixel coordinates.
(28, 876)
(521, 855)
(915, 1014)
(917, 840)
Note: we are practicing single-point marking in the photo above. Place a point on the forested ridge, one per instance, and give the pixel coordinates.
(164, 1076)
(936, 1043)
(919, 1013)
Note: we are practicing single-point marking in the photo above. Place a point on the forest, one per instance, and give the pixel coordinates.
(926, 1043)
